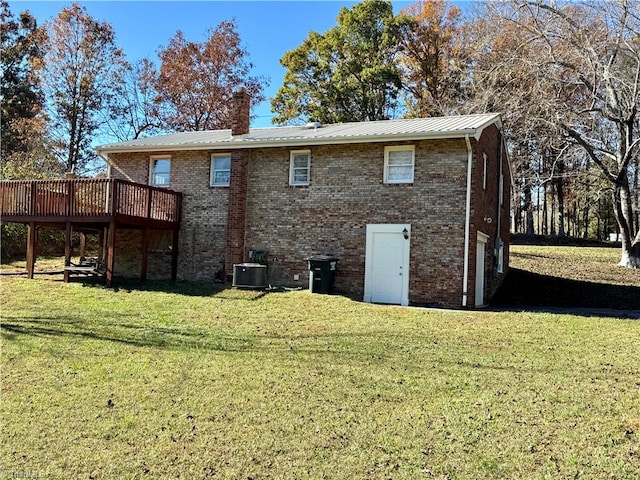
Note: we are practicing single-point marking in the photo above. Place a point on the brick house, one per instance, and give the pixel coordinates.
(416, 210)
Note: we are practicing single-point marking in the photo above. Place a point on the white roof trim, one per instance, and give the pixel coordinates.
(348, 133)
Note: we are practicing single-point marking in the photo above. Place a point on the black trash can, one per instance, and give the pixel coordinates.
(323, 269)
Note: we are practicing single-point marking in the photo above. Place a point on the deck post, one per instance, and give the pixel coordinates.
(83, 244)
(111, 251)
(67, 250)
(175, 238)
(145, 253)
(102, 236)
(31, 249)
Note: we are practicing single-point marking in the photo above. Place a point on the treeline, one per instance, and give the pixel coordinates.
(564, 75)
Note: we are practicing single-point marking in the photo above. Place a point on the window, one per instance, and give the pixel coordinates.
(398, 164)
(220, 170)
(159, 171)
(300, 167)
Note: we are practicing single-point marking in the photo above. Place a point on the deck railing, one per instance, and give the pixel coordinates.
(87, 198)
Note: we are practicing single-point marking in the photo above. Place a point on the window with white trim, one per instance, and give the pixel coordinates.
(398, 164)
(220, 170)
(160, 171)
(300, 167)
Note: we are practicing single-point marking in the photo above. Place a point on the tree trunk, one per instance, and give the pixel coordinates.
(528, 209)
(545, 215)
(553, 212)
(585, 210)
(630, 255)
(560, 194)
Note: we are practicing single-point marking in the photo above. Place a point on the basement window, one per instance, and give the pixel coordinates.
(220, 170)
(160, 171)
(300, 167)
(398, 164)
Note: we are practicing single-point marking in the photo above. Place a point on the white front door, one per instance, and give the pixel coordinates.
(481, 245)
(386, 277)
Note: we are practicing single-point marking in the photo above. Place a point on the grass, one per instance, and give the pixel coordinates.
(569, 276)
(195, 381)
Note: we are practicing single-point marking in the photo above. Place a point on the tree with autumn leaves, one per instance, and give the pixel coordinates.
(196, 80)
(83, 87)
(24, 148)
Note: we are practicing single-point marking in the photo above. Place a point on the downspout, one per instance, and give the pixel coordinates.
(467, 223)
(496, 246)
(105, 157)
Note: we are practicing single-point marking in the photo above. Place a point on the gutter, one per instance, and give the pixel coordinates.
(252, 143)
(467, 224)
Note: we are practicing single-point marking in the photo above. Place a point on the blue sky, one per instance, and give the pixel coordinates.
(267, 28)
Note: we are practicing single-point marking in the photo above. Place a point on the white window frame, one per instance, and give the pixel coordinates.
(399, 148)
(152, 163)
(212, 176)
(292, 169)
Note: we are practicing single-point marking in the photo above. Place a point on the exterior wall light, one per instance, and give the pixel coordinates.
(405, 233)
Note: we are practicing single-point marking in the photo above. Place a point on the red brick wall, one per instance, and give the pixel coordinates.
(203, 226)
(484, 209)
(345, 194)
(240, 112)
(236, 211)
(329, 216)
(129, 254)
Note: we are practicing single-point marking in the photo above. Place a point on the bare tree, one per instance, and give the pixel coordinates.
(135, 113)
(590, 54)
(567, 75)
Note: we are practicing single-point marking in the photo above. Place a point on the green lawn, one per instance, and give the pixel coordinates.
(569, 276)
(193, 381)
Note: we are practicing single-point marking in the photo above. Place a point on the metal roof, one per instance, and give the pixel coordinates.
(357, 132)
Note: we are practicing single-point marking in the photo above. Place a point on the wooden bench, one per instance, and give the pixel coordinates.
(87, 266)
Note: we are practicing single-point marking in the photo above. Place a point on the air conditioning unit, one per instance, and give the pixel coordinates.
(250, 275)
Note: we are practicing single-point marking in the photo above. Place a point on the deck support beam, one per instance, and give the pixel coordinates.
(102, 236)
(67, 250)
(31, 248)
(83, 244)
(111, 253)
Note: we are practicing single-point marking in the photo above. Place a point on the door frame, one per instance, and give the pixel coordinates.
(373, 229)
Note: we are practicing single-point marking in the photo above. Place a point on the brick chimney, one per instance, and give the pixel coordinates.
(240, 112)
(237, 203)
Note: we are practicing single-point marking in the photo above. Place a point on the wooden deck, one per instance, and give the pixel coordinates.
(99, 200)
(100, 205)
